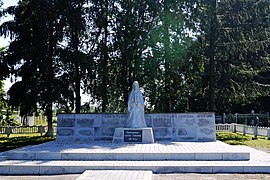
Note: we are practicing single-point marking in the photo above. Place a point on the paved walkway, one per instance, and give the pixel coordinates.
(103, 147)
(137, 152)
(189, 176)
(259, 162)
(211, 177)
(117, 175)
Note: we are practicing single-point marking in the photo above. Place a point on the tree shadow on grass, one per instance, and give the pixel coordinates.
(17, 142)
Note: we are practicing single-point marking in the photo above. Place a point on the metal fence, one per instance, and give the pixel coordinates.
(223, 127)
(262, 119)
(245, 129)
(24, 129)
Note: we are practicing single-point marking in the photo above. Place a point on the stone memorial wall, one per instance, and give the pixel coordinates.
(170, 127)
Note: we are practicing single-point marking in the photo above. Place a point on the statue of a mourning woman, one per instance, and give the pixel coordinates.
(135, 108)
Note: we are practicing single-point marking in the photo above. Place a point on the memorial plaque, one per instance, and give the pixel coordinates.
(132, 135)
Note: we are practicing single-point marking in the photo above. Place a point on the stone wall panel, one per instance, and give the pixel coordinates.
(162, 132)
(85, 122)
(65, 132)
(107, 132)
(66, 122)
(171, 127)
(85, 132)
(162, 122)
(204, 122)
(109, 122)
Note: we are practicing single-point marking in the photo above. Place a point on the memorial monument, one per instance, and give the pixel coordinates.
(135, 126)
(135, 130)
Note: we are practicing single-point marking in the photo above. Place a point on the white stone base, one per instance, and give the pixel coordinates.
(146, 136)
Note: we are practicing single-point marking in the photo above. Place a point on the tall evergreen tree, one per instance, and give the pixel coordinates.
(32, 54)
(187, 55)
(73, 18)
(97, 68)
(132, 25)
(3, 74)
(241, 51)
(169, 53)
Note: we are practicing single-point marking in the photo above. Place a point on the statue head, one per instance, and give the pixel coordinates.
(135, 86)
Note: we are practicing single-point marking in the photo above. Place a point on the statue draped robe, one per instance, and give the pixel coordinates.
(136, 108)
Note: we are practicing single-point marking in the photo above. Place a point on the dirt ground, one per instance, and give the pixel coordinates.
(188, 176)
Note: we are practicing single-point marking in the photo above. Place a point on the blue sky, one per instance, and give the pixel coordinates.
(3, 41)
(7, 3)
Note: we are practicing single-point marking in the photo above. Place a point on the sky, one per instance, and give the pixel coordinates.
(7, 3)
(5, 42)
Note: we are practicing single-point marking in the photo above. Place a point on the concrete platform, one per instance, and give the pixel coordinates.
(188, 151)
(259, 162)
(116, 174)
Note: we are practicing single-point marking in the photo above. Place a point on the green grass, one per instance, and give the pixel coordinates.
(19, 135)
(20, 140)
(240, 139)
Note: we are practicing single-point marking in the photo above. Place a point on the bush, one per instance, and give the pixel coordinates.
(54, 120)
(11, 122)
(232, 138)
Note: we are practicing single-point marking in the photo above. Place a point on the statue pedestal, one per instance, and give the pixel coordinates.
(133, 135)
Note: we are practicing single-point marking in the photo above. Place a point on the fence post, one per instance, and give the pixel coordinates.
(244, 129)
(233, 127)
(268, 133)
(8, 131)
(255, 131)
(41, 129)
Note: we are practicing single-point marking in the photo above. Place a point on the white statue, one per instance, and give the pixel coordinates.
(135, 108)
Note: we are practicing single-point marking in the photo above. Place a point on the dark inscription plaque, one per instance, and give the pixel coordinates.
(132, 135)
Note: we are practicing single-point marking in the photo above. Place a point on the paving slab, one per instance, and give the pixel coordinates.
(174, 176)
(116, 174)
(192, 151)
(259, 163)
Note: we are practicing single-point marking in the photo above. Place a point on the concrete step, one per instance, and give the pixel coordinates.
(115, 175)
(2, 158)
(77, 167)
(259, 161)
(211, 151)
(129, 156)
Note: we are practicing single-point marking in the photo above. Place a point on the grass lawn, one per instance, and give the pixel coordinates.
(239, 139)
(20, 140)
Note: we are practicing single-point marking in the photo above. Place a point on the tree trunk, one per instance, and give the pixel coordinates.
(50, 132)
(77, 74)
(50, 75)
(76, 60)
(105, 58)
(78, 88)
(124, 83)
(167, 59)
(211, 103)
